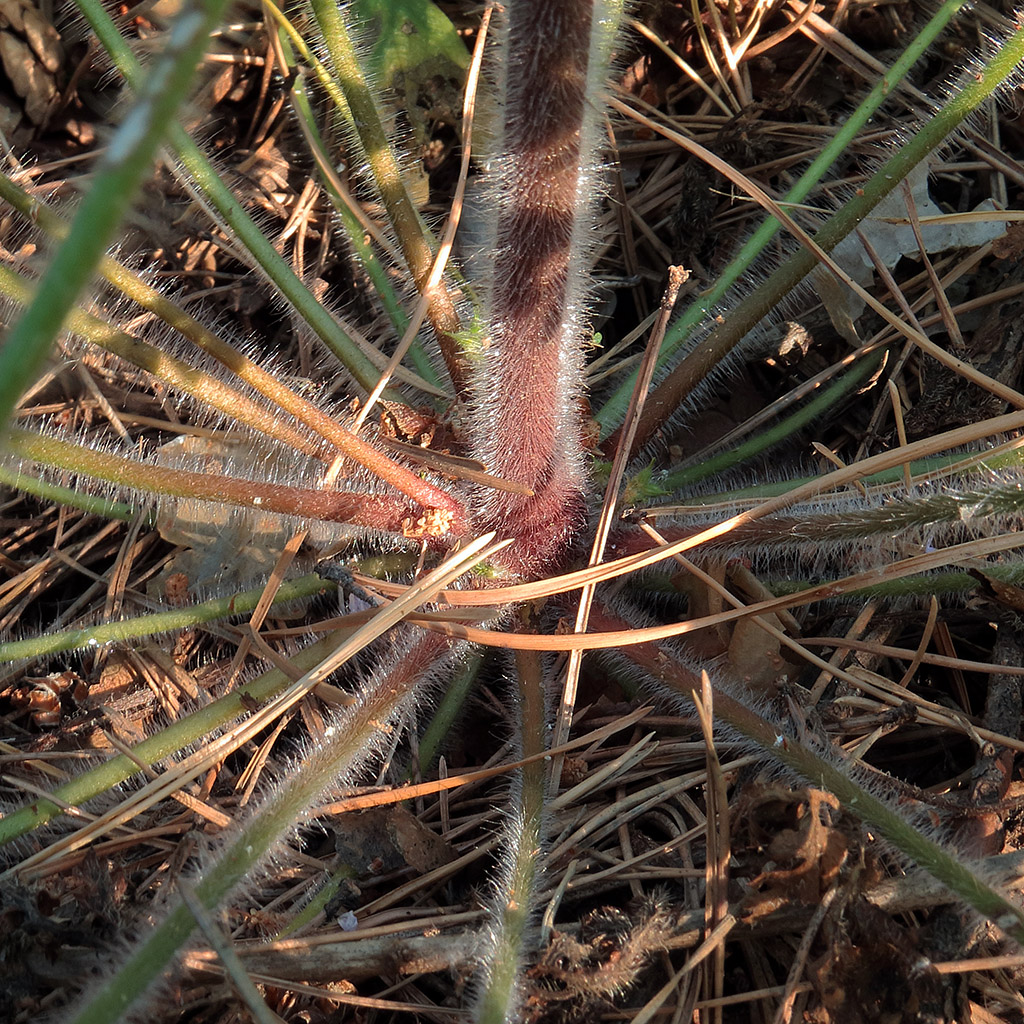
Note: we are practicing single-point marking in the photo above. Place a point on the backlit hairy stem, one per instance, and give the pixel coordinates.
(261, 380)
(159, 622)
(119, 173)
(528, 383)
(352, 738)
(132, 285)
(66, 496)
(377, 511)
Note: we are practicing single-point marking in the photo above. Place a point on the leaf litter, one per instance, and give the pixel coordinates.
(628, 868)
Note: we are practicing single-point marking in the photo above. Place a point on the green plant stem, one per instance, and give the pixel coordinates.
(45, 491)
(119, 173)
(610, 414)
(236, 220)
(927, 585)
(767, 439)
(524, 840)
(200, 722)
(292, 42)
(455, 693)
(343, 202)
(354, 229)
(340, 197)
(319, 902)
(951, 583)
(937, 467)
(361, 110)
(158, 622)
(369, 129)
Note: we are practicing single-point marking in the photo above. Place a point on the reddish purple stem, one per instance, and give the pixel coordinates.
(530, 384)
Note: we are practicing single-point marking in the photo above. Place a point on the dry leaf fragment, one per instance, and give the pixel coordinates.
(998, 590)
(31, 54)
(435, 522)
(803, 851)
(384, 839)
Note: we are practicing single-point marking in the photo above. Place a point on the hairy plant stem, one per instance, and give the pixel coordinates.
(922, 471)
(838, 525)
(377, 511)
(951, 583)
(527, 379)
(172, 371)
(134, 287)
(159, 622)
(207, 389)
(65, 496)
(904, 835)
(523, 841)
(450, 707)
(522, 419)
(118, 176)
(355, 733)
(354, 220)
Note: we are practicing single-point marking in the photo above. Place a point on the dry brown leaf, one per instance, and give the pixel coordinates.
(384, 839)
(31, 54)
(803, 852)
(874, 973)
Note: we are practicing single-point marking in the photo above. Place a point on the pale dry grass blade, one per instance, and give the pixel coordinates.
(563, 722)
(625, 638)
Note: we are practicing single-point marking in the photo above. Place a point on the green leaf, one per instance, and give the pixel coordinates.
(417, 54)
(411, 35)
